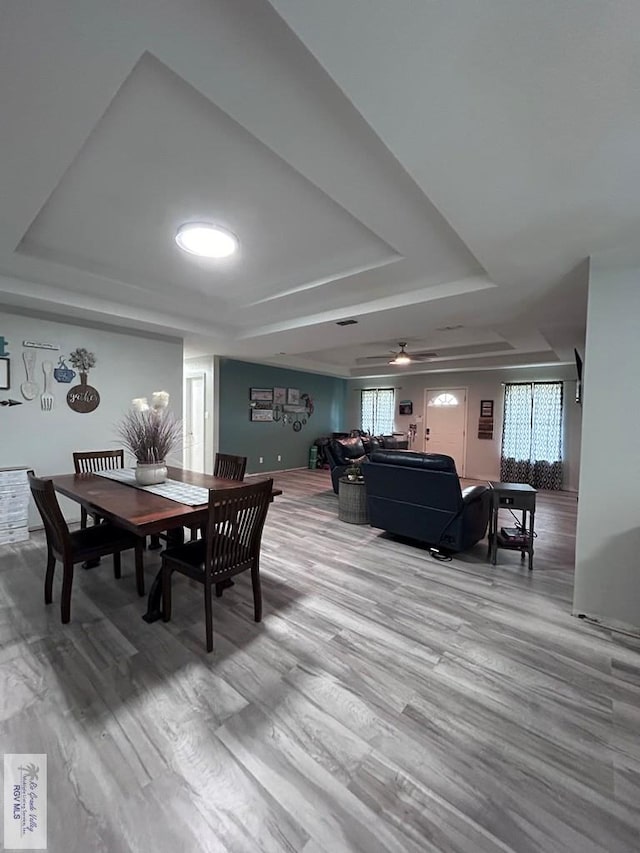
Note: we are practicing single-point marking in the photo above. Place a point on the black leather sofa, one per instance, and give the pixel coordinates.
(342, 453)
(418, 495)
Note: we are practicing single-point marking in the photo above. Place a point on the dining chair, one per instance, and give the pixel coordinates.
(228, 467)
(231, 545)
(90, 461)
(93, 542)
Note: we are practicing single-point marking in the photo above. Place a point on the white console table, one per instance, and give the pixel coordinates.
(14, 505)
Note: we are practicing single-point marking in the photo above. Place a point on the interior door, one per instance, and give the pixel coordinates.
(195, 423)
(445, 419)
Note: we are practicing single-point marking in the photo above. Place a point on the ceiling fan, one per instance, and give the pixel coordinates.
(402, 356)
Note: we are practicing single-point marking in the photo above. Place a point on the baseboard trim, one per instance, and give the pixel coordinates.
(278, 471)
(609, 624)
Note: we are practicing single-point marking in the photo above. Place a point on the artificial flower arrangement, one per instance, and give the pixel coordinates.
(151, 433)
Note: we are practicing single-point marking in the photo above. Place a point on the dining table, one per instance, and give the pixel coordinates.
(144, 513)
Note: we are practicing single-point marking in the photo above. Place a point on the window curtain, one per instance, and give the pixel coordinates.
(532, 435)
(377, 410)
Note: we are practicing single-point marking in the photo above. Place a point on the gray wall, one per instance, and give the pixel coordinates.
(607, 581)
(127, 366)
(240, 436)
(483, 455)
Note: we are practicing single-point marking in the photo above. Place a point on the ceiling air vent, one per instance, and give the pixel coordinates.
(346, 323)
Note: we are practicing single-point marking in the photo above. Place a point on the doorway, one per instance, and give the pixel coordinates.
(195, 422)
(445, 423)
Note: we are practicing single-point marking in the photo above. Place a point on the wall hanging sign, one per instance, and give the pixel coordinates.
(296, 414)
(279, 396)
(3, 344)
(486, 408)
(261, 415)
(5, 374)
(261, 394)
(405, 407)
(485, 421)
(62, 373)
(39, 345)
(83, 398)
(29, 388)
(293, 396)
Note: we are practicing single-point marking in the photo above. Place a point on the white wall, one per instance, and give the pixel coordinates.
(128, 365)
(483, 455)
(607, 581)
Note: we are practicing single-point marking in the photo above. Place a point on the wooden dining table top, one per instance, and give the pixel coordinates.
(138, 510)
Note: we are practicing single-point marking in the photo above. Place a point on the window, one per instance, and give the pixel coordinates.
(444, 400)
(376, 410)
(532, 435)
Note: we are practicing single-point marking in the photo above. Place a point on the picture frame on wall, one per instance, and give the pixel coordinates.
(5, 374)
(261, 415)
(405, 407)
(486, 408)
(293, 396)
(262, 394)
(279, 396)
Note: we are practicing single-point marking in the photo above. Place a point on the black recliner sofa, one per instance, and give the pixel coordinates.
(342, 453)
(418, 495)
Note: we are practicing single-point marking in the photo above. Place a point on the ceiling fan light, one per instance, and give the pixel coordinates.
(401, 358)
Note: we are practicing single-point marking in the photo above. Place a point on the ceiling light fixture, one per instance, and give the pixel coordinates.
(206, 240)
(402, 357)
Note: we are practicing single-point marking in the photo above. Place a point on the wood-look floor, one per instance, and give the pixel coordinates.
(387, 702)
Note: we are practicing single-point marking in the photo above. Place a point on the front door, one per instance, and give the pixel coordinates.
(445, 418)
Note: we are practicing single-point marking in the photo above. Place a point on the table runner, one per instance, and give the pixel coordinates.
(174, 490)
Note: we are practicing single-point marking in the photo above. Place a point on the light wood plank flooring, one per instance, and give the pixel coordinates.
(387, 702)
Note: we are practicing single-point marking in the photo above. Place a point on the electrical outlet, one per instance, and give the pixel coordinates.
(260, 459)
(279, 458)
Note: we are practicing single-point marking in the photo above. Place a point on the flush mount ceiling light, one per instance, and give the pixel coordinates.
(206, 240)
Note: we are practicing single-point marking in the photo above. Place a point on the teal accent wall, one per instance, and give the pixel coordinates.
(243, 437)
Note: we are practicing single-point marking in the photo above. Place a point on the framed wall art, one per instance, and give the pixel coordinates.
(5, 374)
(262, 394)
(486, 408)
(293, 396)
(279, 396)
(261, 415)
(405, 407)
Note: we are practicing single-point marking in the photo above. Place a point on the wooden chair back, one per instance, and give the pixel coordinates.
(55, 526)
(230, 467)
(88, 461)
(234, 526)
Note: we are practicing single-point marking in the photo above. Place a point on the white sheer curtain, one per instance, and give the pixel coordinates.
(377, 407)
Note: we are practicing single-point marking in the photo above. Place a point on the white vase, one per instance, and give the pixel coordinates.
(151, 473)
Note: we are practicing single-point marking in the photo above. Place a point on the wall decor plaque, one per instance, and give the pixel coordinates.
(39, 345)
(83, 398)
(262, 394)
(262, 415)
